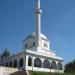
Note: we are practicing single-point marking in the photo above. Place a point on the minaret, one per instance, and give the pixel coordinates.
(38, 13)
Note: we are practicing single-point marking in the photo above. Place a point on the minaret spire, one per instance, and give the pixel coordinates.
(38, 23)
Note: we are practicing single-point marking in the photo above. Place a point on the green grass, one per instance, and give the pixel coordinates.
(48, 73)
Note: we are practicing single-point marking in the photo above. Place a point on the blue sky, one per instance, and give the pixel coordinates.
(17, 20)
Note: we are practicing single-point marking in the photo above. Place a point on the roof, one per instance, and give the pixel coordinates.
(33, 36)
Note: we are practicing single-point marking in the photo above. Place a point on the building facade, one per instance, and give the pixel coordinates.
(36, 54)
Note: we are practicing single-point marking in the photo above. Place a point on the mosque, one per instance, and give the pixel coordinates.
(36, 54)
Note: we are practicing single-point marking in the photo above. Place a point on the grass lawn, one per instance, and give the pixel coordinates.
(48, 73)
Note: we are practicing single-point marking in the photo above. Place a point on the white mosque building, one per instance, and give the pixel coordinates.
(36, 54)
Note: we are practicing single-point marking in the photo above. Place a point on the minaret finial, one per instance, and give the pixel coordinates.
(38, 23)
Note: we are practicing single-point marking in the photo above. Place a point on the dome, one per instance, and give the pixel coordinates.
(33, 36)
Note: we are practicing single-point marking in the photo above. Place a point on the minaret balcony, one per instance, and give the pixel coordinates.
(38, 11)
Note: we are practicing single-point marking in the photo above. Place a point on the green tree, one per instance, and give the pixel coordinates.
(70, 67)
(5, 53)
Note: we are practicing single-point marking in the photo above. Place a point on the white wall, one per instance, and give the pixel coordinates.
(32, 68)
(7, 71)
(17, 57)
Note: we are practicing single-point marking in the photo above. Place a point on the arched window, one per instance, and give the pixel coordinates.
(37, 62)
(53, 65)
(10, 64)
(26, 45)
(21, 62)
(29, 61)
(2, 64)
(46, 64)
(6, 64)
(15, 63)
(59, 66)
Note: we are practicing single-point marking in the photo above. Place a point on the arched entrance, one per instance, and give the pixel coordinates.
(21, 62)
(37, 62)
(15, 63)
(46, 64)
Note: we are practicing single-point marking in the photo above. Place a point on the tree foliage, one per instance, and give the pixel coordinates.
(5, 53)
(70, 67)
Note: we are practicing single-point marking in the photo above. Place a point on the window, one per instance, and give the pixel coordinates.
(46, 64)
(26, 45)
(29, 61)
(33, 43)
(21, 62)
(37, 62)
(45, 44)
